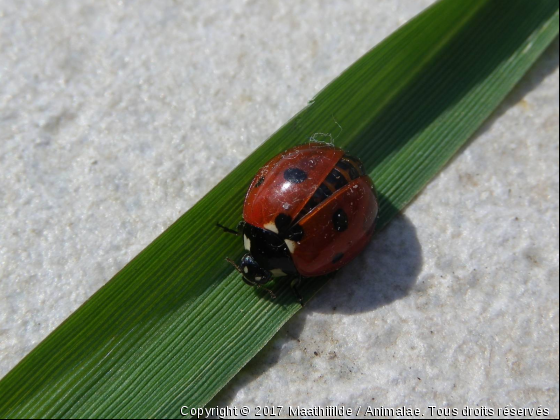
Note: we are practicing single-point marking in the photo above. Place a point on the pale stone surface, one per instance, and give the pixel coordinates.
(116, 117)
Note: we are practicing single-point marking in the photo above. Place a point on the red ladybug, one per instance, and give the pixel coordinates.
(308, 212)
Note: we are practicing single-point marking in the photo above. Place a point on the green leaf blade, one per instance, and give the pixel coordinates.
(176, 323)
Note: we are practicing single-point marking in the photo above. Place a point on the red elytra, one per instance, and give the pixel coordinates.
(320, 191)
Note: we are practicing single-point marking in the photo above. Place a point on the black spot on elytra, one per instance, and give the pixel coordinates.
(337, 257)
(282, 222)
(295, 175)
(295, 233)
(340, 220)
(259, 182)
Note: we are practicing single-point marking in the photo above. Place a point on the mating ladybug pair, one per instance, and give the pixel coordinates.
(308, 212)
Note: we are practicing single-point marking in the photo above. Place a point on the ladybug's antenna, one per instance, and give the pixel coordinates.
(228, 230)
(246, 280)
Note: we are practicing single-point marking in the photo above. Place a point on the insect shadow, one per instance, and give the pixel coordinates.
(386, 271)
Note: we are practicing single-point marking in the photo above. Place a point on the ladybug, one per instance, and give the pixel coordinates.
(308, 212)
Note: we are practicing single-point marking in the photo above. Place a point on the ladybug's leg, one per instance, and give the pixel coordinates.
(236, 232)
(296, 282)
(258, 286)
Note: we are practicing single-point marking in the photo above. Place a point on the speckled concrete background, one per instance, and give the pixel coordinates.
(116, 117)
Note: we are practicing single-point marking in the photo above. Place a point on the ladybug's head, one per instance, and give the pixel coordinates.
(253, 272)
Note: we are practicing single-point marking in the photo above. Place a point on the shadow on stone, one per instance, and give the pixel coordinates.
(383, 273)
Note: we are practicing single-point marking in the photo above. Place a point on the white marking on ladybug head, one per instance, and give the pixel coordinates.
(258, 278)
(272, 227)
(277, 273)
(246, 243)
(291, 245)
